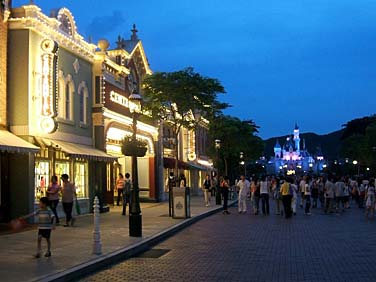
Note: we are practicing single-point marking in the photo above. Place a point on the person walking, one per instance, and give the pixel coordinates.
(276, 189)
(119, 188)
(286, 193)
(370, 199)
(307, 196)
(225, 186)
(255, 195)
(329, 195)
(314, 192)
(302, 184)
(68, 194)
(45, 225)
(362, 192)
(243, 186)
(127, 193)
(264, 194)
(339, 189)
(206, 186)
(53, 197)
(294, 198)
(320, 185)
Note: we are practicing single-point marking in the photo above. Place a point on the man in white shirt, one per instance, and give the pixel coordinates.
(243, 186)
(302, 185)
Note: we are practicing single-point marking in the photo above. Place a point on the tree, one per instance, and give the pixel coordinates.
(359, 141)
(181, 98)
(236, 136)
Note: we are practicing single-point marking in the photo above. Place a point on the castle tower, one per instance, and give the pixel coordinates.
(297, 138)
(277, 150)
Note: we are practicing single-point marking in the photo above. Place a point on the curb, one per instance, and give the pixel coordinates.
(81, 270)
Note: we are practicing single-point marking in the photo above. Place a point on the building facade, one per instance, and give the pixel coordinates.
(64, 108)
(50, 99)
(118, 73)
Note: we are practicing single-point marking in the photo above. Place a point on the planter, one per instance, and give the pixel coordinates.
(130, 149)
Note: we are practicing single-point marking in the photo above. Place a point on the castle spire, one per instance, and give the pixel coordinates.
(134, 36)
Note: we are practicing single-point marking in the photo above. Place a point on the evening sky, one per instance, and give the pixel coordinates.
(311, 62)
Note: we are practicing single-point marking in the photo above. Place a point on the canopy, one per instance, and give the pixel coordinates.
(79, 150)
(14, 144)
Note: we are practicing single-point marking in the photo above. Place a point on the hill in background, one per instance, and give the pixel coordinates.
(329, 143)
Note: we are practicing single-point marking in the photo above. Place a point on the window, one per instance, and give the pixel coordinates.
(83, 93)
(67, 103)
(62, 93)
(66, 91)
(80, 179)
(42, 178)
(61, 168)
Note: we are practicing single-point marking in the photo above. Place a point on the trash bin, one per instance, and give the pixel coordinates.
(181, 202)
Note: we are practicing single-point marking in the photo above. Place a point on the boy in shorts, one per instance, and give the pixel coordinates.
(45, 225)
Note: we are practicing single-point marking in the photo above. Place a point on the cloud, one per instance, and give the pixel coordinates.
(105, 25)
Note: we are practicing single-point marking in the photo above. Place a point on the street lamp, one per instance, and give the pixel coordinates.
(218, 200)
(355, 162)
(242, 162)
(135, 217)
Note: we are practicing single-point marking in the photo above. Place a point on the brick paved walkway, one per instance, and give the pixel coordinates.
(260, 248)
(72, 247)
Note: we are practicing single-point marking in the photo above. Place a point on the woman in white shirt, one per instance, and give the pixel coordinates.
(264, 194)
(370, 199)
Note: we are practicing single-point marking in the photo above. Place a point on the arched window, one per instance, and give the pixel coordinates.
(69, 91)
(61, 100)
(83, 92)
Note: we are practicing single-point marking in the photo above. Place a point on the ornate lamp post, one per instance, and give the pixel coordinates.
(218, 200)
(135, 217)
(242, 162)
(355, 162)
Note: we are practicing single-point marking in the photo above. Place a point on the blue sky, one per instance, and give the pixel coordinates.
(281, 62)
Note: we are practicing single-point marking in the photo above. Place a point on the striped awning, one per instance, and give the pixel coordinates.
(79, 150)
(13, 144)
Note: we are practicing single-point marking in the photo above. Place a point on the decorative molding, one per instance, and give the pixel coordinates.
(76, 66)
(31, 17)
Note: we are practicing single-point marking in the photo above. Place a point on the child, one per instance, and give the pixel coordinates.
(45, 220)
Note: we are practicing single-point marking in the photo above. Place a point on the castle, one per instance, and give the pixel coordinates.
(291, 158)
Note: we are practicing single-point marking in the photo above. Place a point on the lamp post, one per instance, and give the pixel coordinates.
(135, 217)
(242, 162)
(355, 162)
(218, 200)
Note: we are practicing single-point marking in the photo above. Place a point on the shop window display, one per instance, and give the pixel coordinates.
(80, 179)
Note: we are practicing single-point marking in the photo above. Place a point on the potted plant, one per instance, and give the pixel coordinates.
(136, 147)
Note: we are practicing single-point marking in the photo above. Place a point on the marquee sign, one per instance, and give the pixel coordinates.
(48, 60)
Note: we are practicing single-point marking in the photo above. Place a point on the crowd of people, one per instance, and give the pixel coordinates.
(330, 193)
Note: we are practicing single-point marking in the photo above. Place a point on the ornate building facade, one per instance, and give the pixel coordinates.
(64, 108)
(50, 94)
(118, 73)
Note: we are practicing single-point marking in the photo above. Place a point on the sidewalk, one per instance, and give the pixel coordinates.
(72, 246)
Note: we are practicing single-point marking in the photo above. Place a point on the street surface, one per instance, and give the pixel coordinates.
(244, 247)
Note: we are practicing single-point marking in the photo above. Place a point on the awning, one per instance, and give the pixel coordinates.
(170, 163)
(199, 167)
(80, 151)
(14, 144)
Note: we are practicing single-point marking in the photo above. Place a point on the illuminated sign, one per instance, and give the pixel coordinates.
(47, 122)
(119, 99)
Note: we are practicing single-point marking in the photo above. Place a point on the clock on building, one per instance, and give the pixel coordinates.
(48, 45)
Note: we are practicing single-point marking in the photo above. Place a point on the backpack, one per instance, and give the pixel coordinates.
(127, 187)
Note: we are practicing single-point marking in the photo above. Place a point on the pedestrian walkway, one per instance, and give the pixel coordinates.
(245, 247)
(72, 246)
